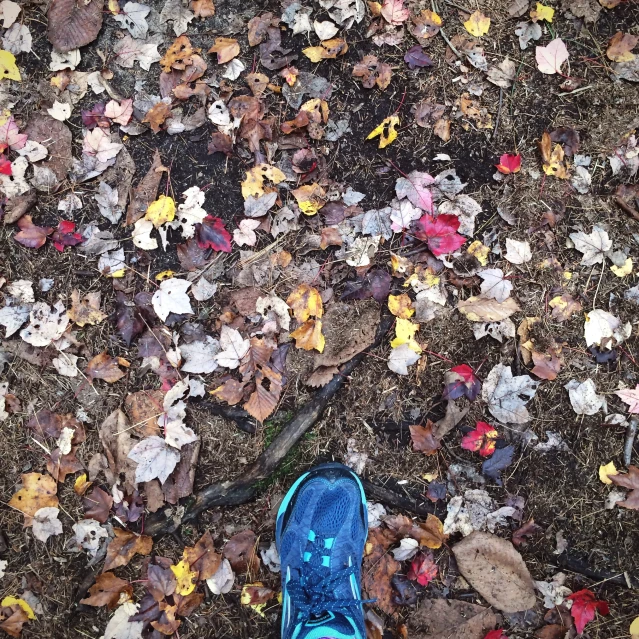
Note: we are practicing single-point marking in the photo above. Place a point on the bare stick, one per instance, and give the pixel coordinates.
(631, 433)
(626, 208)
(501, 103)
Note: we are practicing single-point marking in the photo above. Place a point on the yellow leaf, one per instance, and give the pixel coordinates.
(119, 273)
(164, 275)
(478, 24)
(8, 68)
(386, 137)
(634, 629)
(253, 185)
(81, 484)
(542, 12)
(114, 7)
(185, 578)
(161, 211)
(38, 491)
(405, 333)
(304, 302)
(309, 336)
(605, 470)
(401, 266)
(248, 591)
(622, 271)
(401, 306)
(328, 50)
(13, 601)
(567, 275)
(310, 198)
(314, 54)
(479, 251)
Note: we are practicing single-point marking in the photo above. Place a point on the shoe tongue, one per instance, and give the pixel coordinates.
(330, 625)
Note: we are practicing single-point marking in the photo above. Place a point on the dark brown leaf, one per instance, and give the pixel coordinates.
(186, 605)
(59, 466)
(105, 367)
(56, 136)
(73, 23)
(14, 618)
(202, 557)
(124, 546)
(106, 591)
(240, 551)
(521, 535)
(378, 570)
(47, 424)
(161, 582)
(97, 505)
(424, 440)
(146, 191)
(220, 143)
(180, 482)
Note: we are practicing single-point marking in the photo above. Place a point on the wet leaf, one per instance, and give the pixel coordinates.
(416, 58)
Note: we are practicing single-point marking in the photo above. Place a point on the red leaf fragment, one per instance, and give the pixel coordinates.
(439, 233)
(584, 606)
(212, 234)
(5, 165)
(30, 235)
(496, 634)
(509, 164)
(460, 381)
(481, 440)
(65, 235)
(423, 569)
(95, 116)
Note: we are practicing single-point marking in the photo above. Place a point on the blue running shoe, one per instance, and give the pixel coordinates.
(321, 530)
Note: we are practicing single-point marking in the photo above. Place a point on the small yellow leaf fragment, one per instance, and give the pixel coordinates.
(405, 334)
(480, 251)
(15, 601)
(478, 24)
(622, 271)
(161, 211)
(8, 67)
(567, 275)
(542, 12)
(308, 336)
(605, 470)
(114, 7)
(386, 131)
(81, 484)
(430, 476)
(253, 185)
(310, 198)
(634, 629)
(185, 578)
(164, 275)
(401, 306)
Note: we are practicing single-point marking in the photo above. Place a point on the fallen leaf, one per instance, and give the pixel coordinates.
(630, 396)
(509, 164)
(423, 569)
(155, 458)
(305, 302)
(529, 529)
(124, 546)
(604, 329)
(373, 72)
(394, 12)
(240, 552)
(481, 309)
(564, 307)
(584, 398)
(507, 396)
(202, 8)
(97, 505)
(477, 24)
(605, 470)
(86, 310)
(424, 440)
(120, 626)
(500, 460)
(222, 581)
(203, 558)
(378, 569)
(551, 57)
(495, 285)
(481, 440)
(226, 49)
(73, 25)
(38, 491)
(161, 211)
(542, 12)
(401, 358)
(439, 233)
(234, 347)
(30, 235)
(416, 58)
(105, 367)
(496, 571)
(171, 297)
(517, 252)
(593, 246)
(461, 381)
(620, 46)
(157, 115)
(386, 131)
(628, 480)
(584, 606)
(108, 590)
(212, 234)
(46, 523)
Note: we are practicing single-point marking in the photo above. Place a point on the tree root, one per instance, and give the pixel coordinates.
(243, 489)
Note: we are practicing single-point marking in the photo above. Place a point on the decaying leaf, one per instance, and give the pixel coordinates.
(73, 24)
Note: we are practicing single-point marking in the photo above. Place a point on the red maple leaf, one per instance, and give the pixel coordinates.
(496, 634)
(423, 569)
(509, 163)
(584, 605)
(481, 440)
(461, 380)
(64, 235)
(440, 233)
(31, 235)
(212, 234)
(5, 165)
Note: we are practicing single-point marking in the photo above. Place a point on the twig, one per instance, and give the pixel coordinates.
(581, 567)
(626, 208)
(243, 489)
(443, 35)
(501, 103)
(631, 433)
(458, 6)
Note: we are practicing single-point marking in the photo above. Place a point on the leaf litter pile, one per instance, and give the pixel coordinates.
(209, 208)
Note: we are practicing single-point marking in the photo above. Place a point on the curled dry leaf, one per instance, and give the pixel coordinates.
(124, 546)
(373, 72)
(108, 590)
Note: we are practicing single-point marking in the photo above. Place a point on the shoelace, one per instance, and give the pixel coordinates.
(313, 594)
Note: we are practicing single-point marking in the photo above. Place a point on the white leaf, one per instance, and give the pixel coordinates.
(278, 307)
(584, 398)
(180, 15)
(245, 235)
(407, 549)
(554, 592)
(155, 458)
(64, 441)
(13, 317)
(190, 212)
(551, 57)
(325, 30)
(203, 289)
(88, 533)
(46, 324)
(196, 388)
(119, 626)
(17, 39)
(219, 114)
(592, 246)
(362, 250)
(258, 206)
(141, 235)
(403, 215)
(66, 364)
(97, 143)
(497, 330)
(133, 18)
(517, 252)
(376, 512)
(46, 523)
(222, 581)
(415, 187)
(466, 209)
(494, 284)
(377, 222)
(16, 184)
(171, 297)
(128, 50)
(34, 151)
(9, 12)
(70, 203)
(60, 111)
(176, 433)
(107, 199)
(604, 329)
(234, 347)
(200, 356)
(527, 31)
(498, 517)
(22, 291)
(271, 558)
(351, 197)
(401, 358)
(581, 179)
(67, 60)
(111, 262)
(447, 184)
(503, 74)
(233, 69)
(3, 566)
(507, 396)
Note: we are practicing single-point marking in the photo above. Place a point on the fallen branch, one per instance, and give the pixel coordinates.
(396, 500)
(243, 489)
(581, 567)
(626, 208)
(631, 434)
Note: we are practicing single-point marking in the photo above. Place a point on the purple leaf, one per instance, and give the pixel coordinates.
(501, 458)
(415, 57)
